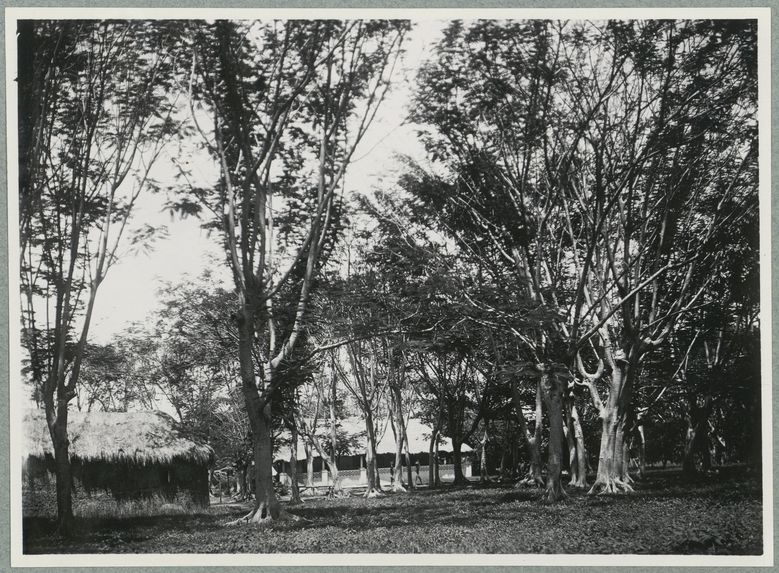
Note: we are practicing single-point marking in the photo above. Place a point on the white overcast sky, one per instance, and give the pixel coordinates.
(129, 292)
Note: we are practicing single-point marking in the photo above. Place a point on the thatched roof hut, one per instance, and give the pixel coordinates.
(139, 437)
(130, 454)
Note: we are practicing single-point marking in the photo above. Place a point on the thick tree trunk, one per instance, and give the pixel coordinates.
(266, 505)
(554, 399)
(531, 441)
(612, 476)
(63, 471)
(457, 446)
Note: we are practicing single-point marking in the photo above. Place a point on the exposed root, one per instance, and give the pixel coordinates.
(371, 493)
(579, 483)
(555, 494)
(397, 487)
(261, 516)
(610, 486)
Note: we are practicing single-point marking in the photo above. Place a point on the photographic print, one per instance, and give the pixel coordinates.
(340, 286)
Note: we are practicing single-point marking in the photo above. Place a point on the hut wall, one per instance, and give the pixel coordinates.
(180, 481)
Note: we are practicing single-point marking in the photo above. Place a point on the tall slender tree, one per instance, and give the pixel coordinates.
(287, 103)
(96, 103)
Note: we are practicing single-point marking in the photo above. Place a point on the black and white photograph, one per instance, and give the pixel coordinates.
(334, 287)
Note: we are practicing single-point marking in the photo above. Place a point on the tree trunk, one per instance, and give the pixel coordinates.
(309, 465)
(408, 455)
(531, 441)
(335, 489)
(577, 455)
(266, 505)
(63, 471)
(457, 445)
(641, 451)
(293, 468)
(432, 459)
(553, 395)
(697, 440)
(244, 472)
(611, 476)
(397, 485)
(483, 476)
(437, 476)
(371, 461)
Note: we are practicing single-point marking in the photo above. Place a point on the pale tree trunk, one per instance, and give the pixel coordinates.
(612, 476)
(553, 396)
(437, 476)
(336, 489)
(531, 441)
(483, 477)
(309, 464)
(577, 455)
(397, 485)
(432, 470)
(641, 451)
(581, 451)
(432, 460)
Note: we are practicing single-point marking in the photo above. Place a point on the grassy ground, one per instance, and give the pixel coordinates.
(719, 515)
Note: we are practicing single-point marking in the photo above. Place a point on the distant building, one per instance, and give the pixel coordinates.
(352, 463)
(131, 455)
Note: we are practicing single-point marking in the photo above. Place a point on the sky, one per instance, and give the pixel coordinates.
(129, 292)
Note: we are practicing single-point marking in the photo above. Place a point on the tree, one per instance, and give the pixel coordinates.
(363, 378)
(96, 105)
(591, 165)
(290, 101)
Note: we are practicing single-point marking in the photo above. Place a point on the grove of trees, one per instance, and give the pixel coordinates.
(567, 280)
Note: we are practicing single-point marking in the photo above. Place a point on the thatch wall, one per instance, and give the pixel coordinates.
(132, 455)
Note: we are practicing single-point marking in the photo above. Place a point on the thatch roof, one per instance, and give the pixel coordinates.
(138, 437)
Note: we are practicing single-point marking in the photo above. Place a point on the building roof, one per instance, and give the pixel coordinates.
(141, 437)
(419, 435)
